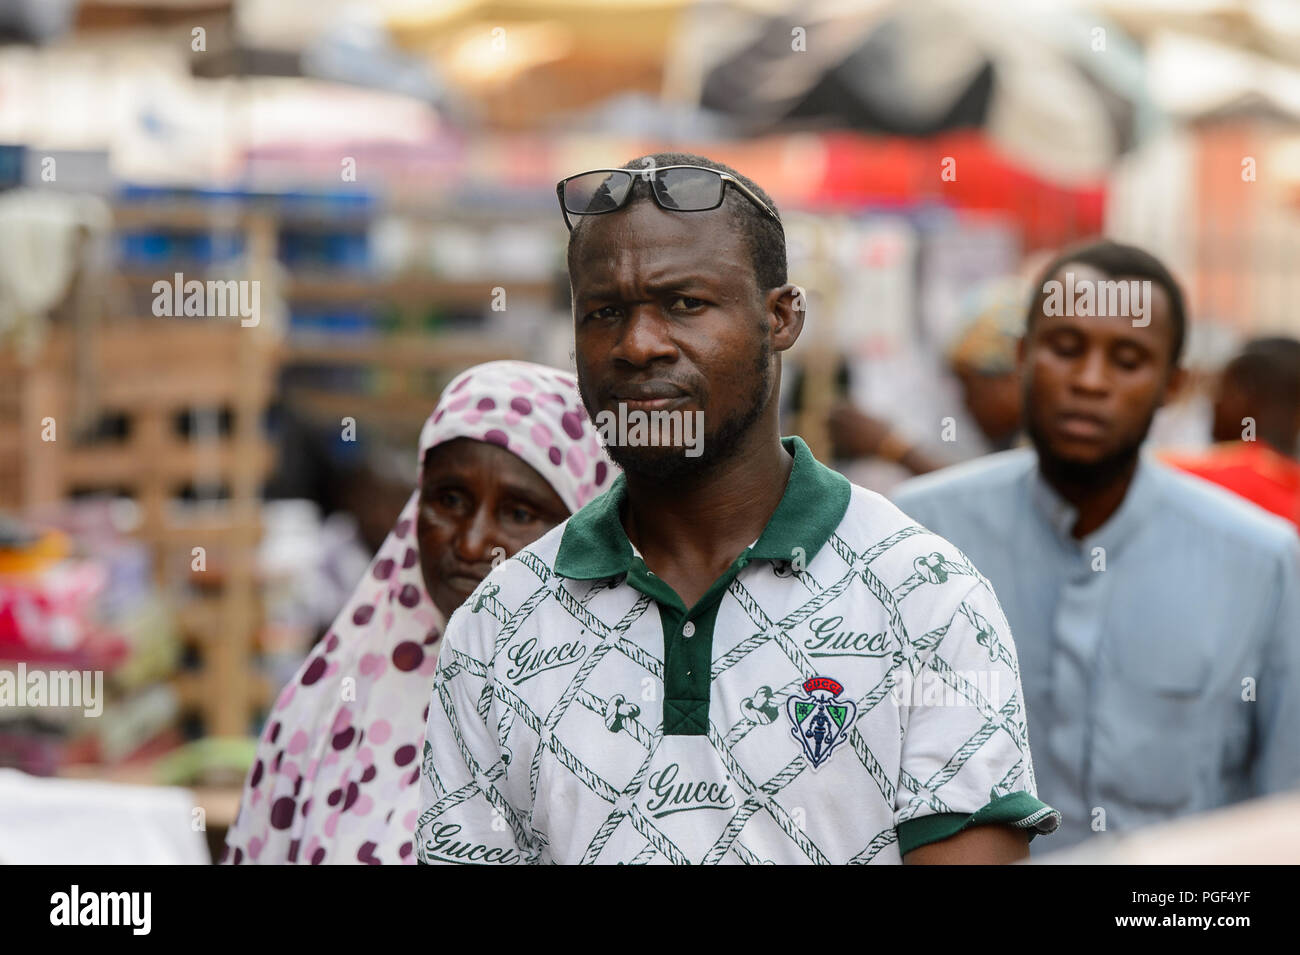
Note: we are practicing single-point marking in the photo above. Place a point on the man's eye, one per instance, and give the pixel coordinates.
(686, 303)
(1129, 358)
(1065, 344)
(605, 311)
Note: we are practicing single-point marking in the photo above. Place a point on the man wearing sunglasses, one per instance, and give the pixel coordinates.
(733, 655)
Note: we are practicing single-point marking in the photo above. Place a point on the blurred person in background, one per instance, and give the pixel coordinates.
(1256, 428)
(1157, 617)
(506, 455)
(983, 360)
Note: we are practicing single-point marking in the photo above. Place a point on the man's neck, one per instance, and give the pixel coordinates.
(1094, 502)
(689, 533)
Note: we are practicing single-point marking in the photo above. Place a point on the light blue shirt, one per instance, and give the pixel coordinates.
(1160, 655)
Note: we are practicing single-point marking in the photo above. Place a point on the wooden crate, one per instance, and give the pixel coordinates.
(151, 372)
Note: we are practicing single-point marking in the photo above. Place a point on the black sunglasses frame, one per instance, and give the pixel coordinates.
(652, 171)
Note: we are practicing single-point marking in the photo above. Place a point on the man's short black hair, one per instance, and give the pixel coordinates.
(1281, 345)
(1269, 370)
(1118, 260)
(765, 237)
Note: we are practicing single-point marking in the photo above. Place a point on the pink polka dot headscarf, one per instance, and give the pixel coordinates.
(533, 411)
(336, 776)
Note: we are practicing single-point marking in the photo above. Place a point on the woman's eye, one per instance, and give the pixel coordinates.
(448, 500)
(521, 515)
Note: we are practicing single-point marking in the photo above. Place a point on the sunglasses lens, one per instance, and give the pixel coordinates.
(595, 192)
(690, 190)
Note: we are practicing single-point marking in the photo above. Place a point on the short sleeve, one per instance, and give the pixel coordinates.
(465, 816)
(965, 758)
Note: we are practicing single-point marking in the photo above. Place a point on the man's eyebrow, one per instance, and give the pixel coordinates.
(667, 284)
(691, 278)
(1120, 331)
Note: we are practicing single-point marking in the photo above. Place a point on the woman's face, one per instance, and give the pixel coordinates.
(477, 502)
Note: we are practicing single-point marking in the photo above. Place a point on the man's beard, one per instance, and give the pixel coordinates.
(1086, 474)
(670, 465)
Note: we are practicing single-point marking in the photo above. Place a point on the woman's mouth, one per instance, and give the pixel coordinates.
(461, 583)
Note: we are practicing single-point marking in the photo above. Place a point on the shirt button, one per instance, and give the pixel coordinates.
(688, 629)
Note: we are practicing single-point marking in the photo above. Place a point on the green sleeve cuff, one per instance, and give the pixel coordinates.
(1019, 810)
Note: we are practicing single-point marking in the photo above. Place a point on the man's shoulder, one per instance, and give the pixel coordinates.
(990, 474)
(898, 548)
(544, 548)
(1220, 514)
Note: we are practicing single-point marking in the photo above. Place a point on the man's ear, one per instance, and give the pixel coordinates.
(786, 307)
(1175, 385)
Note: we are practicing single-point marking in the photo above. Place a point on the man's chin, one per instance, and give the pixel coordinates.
(1087, 468)
(1073, 456)
(662, 463)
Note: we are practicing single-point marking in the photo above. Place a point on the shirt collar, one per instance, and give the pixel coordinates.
(1137, 505)
(594, 544)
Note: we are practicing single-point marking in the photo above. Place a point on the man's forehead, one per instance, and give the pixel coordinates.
(650, 241)
(1078, 291)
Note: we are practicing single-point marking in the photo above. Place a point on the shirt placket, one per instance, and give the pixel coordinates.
(688, 646)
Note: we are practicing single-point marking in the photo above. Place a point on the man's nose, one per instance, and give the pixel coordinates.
(645, 337)
(1091, 373)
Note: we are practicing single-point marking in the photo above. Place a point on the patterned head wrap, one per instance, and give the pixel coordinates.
(532, 411)
(336, 778)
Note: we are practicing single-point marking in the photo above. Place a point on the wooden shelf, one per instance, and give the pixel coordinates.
(395, 352)
(325, 288)
(189, 214)
(204, 214)
(176, 462)
(193, 690)
(150, 371)
(399, 410)
(414, 289)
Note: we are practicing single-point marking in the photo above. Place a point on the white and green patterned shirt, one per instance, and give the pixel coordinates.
(846, 692)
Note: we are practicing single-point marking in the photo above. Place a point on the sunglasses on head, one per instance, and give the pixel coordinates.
(675, 188)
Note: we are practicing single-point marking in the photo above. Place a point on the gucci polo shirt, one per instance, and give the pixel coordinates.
(845, 692)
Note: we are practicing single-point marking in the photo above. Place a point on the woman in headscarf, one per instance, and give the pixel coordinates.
(507, 455)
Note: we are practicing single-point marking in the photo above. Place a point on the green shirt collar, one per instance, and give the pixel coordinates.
(594, 544)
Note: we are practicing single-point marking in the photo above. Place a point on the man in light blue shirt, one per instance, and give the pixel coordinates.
(1157, 617)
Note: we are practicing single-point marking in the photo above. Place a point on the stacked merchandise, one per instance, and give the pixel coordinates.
(85, 645)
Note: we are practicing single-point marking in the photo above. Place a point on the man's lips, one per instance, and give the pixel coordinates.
(650, 404)
(648, 396)
(1081, 425)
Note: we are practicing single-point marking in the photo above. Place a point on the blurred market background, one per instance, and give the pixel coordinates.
(187, 501)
